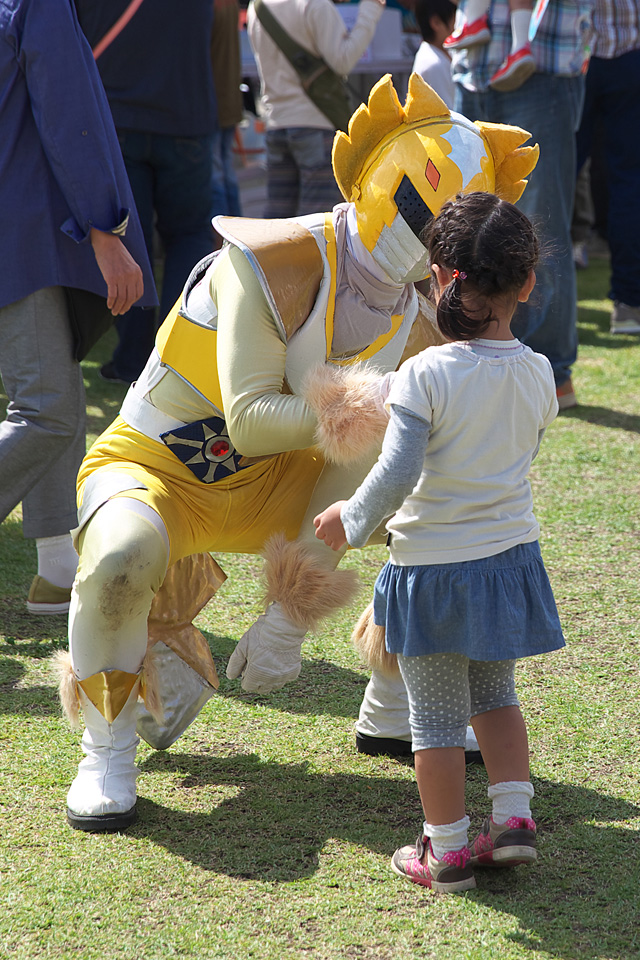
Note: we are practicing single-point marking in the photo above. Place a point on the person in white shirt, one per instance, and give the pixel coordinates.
(299, 136)
(435, 19)
(465, 592)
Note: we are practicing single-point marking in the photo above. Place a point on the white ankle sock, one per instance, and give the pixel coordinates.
(447, 836)
(520, 20)
(475, 9)
(510, 799)
(57, 559)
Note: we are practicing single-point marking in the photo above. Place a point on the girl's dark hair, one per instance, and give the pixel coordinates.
(492, 247)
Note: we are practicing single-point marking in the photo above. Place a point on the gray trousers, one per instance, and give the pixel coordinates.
(42, 439)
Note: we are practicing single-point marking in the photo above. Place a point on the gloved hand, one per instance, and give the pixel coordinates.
(269, 653)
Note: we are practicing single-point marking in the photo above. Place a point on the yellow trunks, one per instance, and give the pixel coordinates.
(235, 515)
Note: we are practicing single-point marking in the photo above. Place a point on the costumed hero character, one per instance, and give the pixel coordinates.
(259, 406)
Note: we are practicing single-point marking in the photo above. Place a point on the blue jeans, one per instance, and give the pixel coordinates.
(172, 183)
(549, 107)
(613, 97)
(300, 178)
(226, 195)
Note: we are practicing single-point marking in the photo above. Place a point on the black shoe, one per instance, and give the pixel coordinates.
(399, 749)
(108, 372)
(383, 746)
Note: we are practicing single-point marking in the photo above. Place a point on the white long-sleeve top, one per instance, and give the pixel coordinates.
(318, 27)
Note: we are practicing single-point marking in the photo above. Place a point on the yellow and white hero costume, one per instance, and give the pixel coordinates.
(219, 445)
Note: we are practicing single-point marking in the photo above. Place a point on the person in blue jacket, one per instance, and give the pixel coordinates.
(68, 221)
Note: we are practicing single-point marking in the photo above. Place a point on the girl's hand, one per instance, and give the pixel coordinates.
(329, 526)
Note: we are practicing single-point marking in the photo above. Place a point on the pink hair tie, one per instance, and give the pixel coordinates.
(458, 275)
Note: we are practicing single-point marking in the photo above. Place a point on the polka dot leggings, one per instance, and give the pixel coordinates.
(447, 689)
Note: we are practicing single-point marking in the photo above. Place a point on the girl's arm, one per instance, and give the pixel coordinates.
(384, 489)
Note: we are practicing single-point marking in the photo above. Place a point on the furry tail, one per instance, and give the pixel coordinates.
(306, 590)
(369, 640)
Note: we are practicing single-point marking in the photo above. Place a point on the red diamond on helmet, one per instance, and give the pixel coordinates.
(432, 175)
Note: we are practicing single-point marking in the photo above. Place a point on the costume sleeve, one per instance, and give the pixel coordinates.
(251, 362)
(340, 48)
(73, 118)
(392, 478)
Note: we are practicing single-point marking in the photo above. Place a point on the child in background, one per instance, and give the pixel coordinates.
(475, 30)
(465, 592)
(435, 19)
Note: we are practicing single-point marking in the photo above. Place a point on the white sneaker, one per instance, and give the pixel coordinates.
(625, 319)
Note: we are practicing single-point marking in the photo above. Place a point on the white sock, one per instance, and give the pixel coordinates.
(510, 799)
(520, 20)
(57, 559)
(475, 9)
(447, 837)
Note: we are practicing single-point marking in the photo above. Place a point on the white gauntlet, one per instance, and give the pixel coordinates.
(301, 592)
(269, 653)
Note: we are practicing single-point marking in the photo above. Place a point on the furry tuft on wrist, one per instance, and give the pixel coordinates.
(305, 589)
(350, 409)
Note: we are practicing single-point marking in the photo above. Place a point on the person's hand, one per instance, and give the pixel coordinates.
(120, 271)
(269, 654)
(329, 526)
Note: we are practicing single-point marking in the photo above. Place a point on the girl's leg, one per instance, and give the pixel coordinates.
(497, 720)
(438, 690)
(508, 835)
(439, 705)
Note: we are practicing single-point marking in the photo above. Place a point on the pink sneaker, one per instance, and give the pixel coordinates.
(517, 68)
(449, 875)
(506, 844)
(472, 34)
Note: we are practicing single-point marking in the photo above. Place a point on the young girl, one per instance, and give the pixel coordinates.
(465, 592)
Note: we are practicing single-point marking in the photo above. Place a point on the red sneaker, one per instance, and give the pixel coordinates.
(517, 68)
(472, 34)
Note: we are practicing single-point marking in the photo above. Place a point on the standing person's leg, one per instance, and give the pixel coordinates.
(311, 149)
(136, 328)
(549, 107)
(183, 200)
(42, 439)
(232, 190)
(439, 707)
(618, 84)
(508, 836)
(283, 179)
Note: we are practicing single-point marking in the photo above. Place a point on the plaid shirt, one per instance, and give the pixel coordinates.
(617, 25)
(560, 47)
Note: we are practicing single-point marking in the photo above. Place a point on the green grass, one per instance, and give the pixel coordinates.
(262, 834)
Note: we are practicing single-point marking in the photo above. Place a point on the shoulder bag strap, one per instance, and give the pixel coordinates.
(117, 28)
(305, 63)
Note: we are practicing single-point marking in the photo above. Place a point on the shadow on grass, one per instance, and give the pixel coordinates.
(580, 902)
(322, 688)
(604, 417)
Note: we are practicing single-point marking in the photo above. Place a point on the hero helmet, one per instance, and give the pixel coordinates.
(398, 165)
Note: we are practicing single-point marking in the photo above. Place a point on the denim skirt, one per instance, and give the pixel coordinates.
(495, 608)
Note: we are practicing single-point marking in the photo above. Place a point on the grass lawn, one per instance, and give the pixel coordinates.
(262, 834)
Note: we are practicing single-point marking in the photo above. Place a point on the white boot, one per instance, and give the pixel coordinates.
(103, 794)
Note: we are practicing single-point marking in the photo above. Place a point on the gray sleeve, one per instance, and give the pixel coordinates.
(537, 449)
(391, 480)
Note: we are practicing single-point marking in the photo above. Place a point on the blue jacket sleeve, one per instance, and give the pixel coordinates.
(73, 118)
